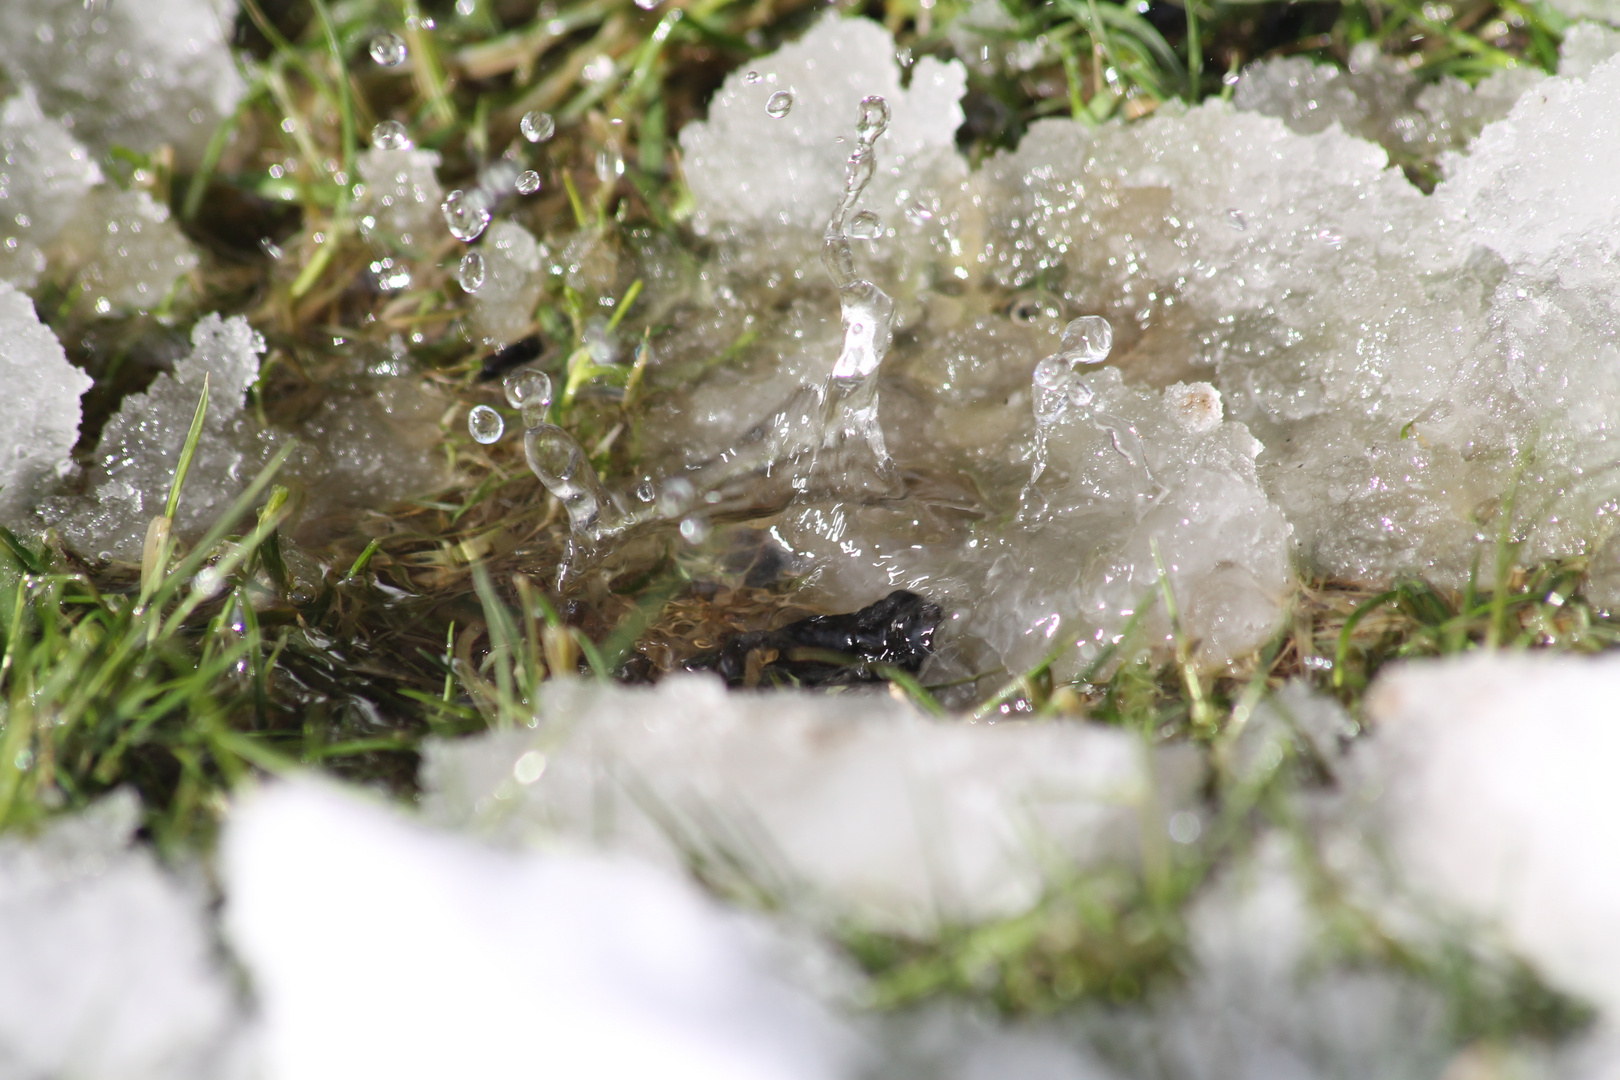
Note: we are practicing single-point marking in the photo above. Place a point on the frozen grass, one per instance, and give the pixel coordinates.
(415, 620)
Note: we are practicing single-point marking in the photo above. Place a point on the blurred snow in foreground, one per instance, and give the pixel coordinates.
(383, 948)
(375, 944)
(108, 968)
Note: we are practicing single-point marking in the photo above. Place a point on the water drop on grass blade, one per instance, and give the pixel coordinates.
(485, 424)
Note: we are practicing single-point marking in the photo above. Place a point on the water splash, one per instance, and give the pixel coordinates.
(1061, 391)
(850, 412)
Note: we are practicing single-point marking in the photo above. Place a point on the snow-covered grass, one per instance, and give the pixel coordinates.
(387, 581)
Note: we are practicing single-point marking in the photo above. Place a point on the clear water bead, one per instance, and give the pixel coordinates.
(471, 271)
(390, 135)
(647, 5)
(1051, 373)
(1087, 340)
(485, 424)
(780, 103)
(528, 182)
(874, 118)
(388, 49)
(866, 226)
(466, 215)
(694, 530)
(751, 78)
(527, 387)
(537, 126)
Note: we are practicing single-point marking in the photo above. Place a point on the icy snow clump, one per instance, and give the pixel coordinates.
(44, 175)
(749, 167)
(847, 806)
(141, 444)
(1498, 796)
(1380, 99)
(107, 968)
(136, 73)
(39, 412)
(382, 948)
(121, 247)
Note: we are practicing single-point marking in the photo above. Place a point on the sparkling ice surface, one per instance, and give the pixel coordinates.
(39, 412)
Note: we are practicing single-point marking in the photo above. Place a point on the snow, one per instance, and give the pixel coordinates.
(746, 166)
(503, 308)
(137, 73)
(1498, 798)
(44, 175)
(107, 967)
(381, 947)
(140, 446)
(844, 807)
(39, 413)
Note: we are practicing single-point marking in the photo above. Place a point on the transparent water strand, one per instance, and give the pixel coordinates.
(850, 399)
(1061, 391)
(560, 463)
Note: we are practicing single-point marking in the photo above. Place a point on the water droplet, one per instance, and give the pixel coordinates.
(1236, 219)
(676, 495)
(538, 126)
(1087, 340)
(751, 78)
(646, 491)
(873, 120)
(1051, 373)
(647, 5)
(865, 226)
(390, 135)
(694, 530)
(271, 249)
(779, 103)
(471, 271)
(527, 387)
(388, 49)
(485, 424)
(528, 182)
(466, 215)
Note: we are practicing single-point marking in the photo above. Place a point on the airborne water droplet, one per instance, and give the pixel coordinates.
(528, 387)
(485, 424)
(388, 49)
(471, 271)
(751, 78)
(390, 135)
(528, 182)
(1087, 340)
(779, 103)
(865, 226)
(537, 126)
(466, 215)
(694, 530)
